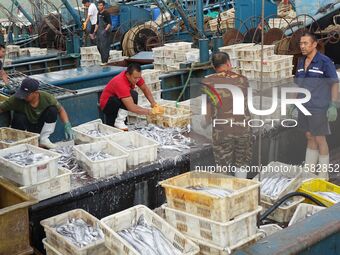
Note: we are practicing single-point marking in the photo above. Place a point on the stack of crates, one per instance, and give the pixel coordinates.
(12, 51)
(42, 179)
(33, 51)
(116, 56)
(89, 56)
(227, 20)
(218, 224)
(231, 51)
(24, 52)
(171, 55)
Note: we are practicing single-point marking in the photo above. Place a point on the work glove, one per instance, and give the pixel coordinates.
(157, 110)
(68, 131)
(84, 26)
(332, 112)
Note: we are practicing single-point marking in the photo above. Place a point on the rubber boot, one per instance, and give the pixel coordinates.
(45, 133)
(120, 120)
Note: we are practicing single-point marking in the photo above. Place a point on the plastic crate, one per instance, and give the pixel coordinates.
(278, 75)
(87, 50)
(50, 250)
(247, 65)
(125, 219)
(179, 45)
(282, 214)
(51, 187)
(14, 220)
(193, 55)
(319, 185)
(142, 100)
(254, 52)
(158, 61)
(15, 137)
(221, 234)
(288, 171)
(31, 174)
(270, 83)
(65, 246)
(279, 23)
(172, 117)
(180, 56)
(244, 198)
(269, 229)
(302, 212)
(140, 148)
(158, 52)
(150, 76)
(274, 63)
(231, 49)
(82, 137)
(86, 63)
(266, 105)
(101, 168)
(210, 249)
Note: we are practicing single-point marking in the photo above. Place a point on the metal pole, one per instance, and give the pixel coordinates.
(200, 16)
(23, 11)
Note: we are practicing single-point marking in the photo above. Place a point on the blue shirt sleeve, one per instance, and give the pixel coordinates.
(330, 72)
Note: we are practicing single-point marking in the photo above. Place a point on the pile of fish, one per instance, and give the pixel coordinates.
(274, 185)
(168, 138)
(79, 232)
(8, 141)
(96, 133)
(334, 197)
(68, 158)
(215, 191)
(96, 156)
(26, 157)
(148, 240)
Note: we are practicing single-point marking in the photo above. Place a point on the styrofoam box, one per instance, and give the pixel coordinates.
(31, 174)
(158, 52)
(231, 49)
(125, 219)
(82, 137)
(302, 210)
(274, 63)
(210, 249)
(65, 246)
(254, 52)
(19, 136)
(150, 75)
(282, 214)
(140, 148)
(221, 234)
(101, 168)
(269, 229)
(51, 187)
(289, 171)
(244, 198)
(179, 45)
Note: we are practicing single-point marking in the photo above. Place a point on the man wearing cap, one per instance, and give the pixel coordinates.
(36, 111)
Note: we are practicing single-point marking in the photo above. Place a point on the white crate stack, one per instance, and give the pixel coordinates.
(33, 51)
(171, 55)
(227, 20)
(24, 52)
(215, 223)
(116, 56)
(12, 51)
(89, 56)
(231, 51)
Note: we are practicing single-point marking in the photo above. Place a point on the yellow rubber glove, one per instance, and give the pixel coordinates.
(157, 110)
(84, 26)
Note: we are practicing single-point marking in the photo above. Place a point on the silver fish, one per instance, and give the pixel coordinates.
(79, 232)
(96, 133)
(335, 197)
(215, 191)
(273, 186)
(26, 158)
(96, 156)
(8, 141)
(147, 239)
(68, 158)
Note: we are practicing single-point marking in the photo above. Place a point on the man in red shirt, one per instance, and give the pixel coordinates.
(119, 96)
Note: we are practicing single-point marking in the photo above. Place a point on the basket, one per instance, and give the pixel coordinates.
(10, 137)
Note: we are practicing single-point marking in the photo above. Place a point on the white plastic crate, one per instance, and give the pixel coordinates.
(82, 137)
(23, 52)
(12, 48)
(179, 45)
(193, 55)
(101, 168)
(220, 234)
(150, 76)
(303, 211)
(115, 54)
(140, 148)
(31, 174)
(274, 63)
(169, 53)
(266, 105)
(10, 137)
(231, 49)
(142, 100)
(125, 219)
(281, 169)
(282, 214)
(158, 52)
(65, 246)
(254, 52)
(86, 63)
(247, 64)
(51, 187)
(158, 61)
(275, 75)
(244, 198)
(86, 50)
(269, 229)
(210, 249)
(279, 23)
(180, 55)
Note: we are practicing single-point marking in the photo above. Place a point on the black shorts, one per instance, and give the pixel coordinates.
(317, 124)
(92, 29)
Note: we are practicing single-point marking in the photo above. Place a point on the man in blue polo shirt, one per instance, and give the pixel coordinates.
(317, 73)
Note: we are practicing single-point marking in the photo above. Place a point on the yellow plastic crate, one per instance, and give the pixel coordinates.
(319, 185)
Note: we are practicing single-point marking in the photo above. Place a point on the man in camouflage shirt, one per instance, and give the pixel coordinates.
(232, 144)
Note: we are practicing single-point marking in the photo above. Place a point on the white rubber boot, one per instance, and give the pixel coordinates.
(312, 157)
(45, 133)
(324, 163)
(120, 120)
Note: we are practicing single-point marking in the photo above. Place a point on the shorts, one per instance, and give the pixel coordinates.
(317, 123)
